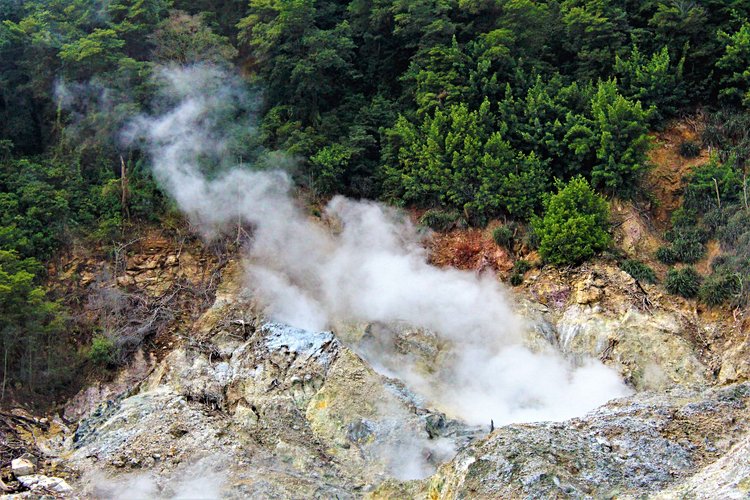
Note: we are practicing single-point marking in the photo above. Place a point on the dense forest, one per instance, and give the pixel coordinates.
(536, 112)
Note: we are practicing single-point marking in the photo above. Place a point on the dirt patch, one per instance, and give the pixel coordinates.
(470, 250)
(665, 179)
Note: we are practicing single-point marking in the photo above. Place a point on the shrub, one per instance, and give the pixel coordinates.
(666, 255)
(102, 350)
(703, 181)
(689, 149)
(719, 288)
(516, 279)
(720, 262)
(522, 266)
(687, 239)
(530, 238)
(715, 219)
(684, 282)
(688, 249)
(440, 220)
(737, 225)
(574, 227)
(638, 270)
(503, 236)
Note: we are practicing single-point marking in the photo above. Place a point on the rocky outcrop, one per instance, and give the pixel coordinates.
(295, 408)
(249, 408)
(600, 311)
(728, 478)
(628, 448)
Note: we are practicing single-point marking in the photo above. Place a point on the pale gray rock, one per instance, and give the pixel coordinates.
(22, 467)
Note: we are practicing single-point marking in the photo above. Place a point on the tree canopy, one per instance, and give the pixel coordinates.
(474, 107)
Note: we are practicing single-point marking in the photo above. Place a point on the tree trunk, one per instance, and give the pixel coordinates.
(124, 186)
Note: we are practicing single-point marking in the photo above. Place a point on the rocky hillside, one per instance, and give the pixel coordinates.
(236, 406)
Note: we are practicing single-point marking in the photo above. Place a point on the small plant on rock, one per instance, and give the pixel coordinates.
(440, 220)
(503, 236)
(684, 282)
(719, 289)
(520, 268)
(638, 270)
(689, 149)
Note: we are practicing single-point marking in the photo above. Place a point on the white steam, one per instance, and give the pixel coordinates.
(370, 267)
(199, 481)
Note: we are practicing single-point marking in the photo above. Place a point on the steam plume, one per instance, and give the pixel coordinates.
(372, 268)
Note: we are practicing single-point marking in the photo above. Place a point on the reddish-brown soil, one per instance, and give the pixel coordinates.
(470, 249)
(664, 181)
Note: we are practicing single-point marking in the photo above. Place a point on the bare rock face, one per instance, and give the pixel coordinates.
(728, 477)
(42, 484)
(589, 291)
(628, 448)
(89, 398)
(608, 315)
(246, 408)
(735, 365)
(282, 412)
(645, 348)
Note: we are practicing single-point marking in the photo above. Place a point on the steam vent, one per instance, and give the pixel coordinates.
(390, 249)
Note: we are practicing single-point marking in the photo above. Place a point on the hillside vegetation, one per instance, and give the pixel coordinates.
(533, 112)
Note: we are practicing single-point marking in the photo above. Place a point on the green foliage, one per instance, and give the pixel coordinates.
(441, 220)
(574, 227)
(186, 39)
(720, 288)
(734, 66)
(102, 350)
(455, 159)
(687, 239)
(329, 165)
(731, 279)
(553, 121)
(666, 255)
(638, 270)
(736, 226)
(503, 237)
(727, 133)
(300, 58)
(689, 149)
(29, 323)
(516, 279)
(688, 247)
(520, 267)
(623, 141)
(654, 81)
(684, 282)
(595, 33)
(440, 78)
(97, 52)
(702, 184)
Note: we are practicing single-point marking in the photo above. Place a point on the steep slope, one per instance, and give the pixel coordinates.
(260, 409)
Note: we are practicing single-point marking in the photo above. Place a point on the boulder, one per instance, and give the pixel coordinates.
(40, 482)
(22, 467)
